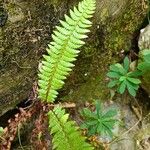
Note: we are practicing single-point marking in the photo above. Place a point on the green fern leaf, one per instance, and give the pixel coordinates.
(63, 50)
(65, 133)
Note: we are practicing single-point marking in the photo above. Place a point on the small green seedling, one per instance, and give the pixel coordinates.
(123, 78)
(99, 122)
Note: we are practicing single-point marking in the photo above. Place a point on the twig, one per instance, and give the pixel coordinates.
(64, 105)
(22, 67)
(19, 138)
(119, 137)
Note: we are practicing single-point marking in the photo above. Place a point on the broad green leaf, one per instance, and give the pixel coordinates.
(84, 126)
(131, 90)
(98, 108)
(100, 128)
(110, 113)
(136, 73)
(122, 87)
(134, 80)
(113, 75)
(146, 55)
(135, 86)
(112, 83)
(126, 63)
(144, 66)
(147, 58)
(87, 113)
(115, 68)
(92, 130)
(121, 69)
(122, 78)
(110, 124)
(107, 130)
(91, 123)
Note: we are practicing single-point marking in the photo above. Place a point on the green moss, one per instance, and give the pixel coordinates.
(23, 41)
(56, 3)
(94, 88)
(121, 30)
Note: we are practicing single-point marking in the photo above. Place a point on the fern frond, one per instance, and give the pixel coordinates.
(62, 52)
(65, 133)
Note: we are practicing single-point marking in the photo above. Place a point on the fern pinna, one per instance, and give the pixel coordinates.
(67, 39)
(65, 133)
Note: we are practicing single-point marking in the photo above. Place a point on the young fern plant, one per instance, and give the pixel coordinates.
(63, 50)
(65, 133)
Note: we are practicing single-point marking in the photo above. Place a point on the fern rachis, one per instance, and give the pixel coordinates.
(62, 52)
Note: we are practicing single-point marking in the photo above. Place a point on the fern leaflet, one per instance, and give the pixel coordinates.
(65, 133)
(62, 52)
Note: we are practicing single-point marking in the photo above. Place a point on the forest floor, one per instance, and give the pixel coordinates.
(27, 128)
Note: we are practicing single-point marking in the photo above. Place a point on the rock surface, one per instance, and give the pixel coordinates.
(144, 45)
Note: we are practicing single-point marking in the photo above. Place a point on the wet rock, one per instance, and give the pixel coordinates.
(126, 139)
(144, 39)
(126, 119)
